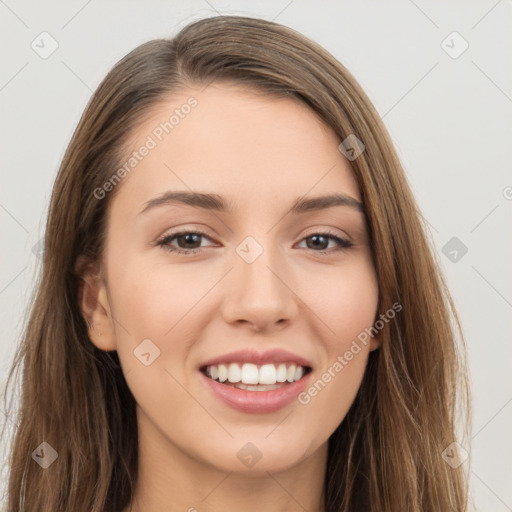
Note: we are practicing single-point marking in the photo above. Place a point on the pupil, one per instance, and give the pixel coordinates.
(317, 237)
(187, 237)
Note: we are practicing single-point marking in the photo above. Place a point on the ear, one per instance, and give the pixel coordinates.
(94, 306)
(375, 342)
(376, 339)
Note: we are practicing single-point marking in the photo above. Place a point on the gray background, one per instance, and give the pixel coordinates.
(450, 119)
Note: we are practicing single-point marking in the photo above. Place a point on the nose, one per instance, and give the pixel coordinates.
(260, 294)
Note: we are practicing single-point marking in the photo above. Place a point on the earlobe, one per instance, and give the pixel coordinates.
(95, 308)
(375, 343)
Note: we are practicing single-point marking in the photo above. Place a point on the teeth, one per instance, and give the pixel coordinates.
(281, 373)
(223, 373)
(290, 374)
(268, 374)
(249, 374)
(234, 373)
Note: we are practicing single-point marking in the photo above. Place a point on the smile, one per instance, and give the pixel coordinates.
(254, 377)
(252, 381)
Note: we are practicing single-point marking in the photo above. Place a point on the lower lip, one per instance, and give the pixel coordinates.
(257, 401)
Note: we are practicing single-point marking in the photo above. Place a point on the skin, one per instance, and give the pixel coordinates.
(261, 154)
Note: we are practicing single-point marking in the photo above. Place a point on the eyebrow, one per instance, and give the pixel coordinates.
(217, 203)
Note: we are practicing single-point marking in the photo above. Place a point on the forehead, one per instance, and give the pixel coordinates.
(251, 149)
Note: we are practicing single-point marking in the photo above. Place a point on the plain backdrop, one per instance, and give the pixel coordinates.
(448, 109)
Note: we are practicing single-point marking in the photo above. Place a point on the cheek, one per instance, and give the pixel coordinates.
(332, 391)
(166, 306)
(346, 301)
(154, 299)
(348, 309)
(154, 337)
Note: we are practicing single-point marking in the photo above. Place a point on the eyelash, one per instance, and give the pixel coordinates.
(164, 242)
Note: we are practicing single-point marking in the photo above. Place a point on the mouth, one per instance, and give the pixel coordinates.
(251, 381)
(255, 377)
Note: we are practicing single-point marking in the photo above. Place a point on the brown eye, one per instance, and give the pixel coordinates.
(321, 241)
(187, 241)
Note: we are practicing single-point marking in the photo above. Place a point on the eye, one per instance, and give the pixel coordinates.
(319, 240)
(184, 237)
(193, 238)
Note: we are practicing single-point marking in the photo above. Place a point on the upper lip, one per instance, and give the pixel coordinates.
(258, 357)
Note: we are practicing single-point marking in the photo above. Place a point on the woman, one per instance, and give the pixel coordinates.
(300, 354)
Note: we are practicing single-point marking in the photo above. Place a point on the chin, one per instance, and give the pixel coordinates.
(259, 456)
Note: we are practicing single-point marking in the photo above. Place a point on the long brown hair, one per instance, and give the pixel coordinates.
(387, 454)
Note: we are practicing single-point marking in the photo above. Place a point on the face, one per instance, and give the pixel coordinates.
(247, 290)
